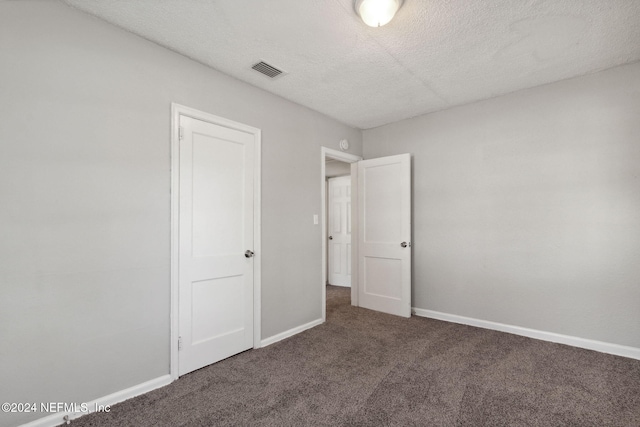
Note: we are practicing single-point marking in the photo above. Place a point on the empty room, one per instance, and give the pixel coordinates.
(320, 213)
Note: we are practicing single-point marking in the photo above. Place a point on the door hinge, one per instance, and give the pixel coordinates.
(180, 133)
(179, 343)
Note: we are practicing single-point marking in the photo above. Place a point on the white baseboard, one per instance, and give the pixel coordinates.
(291, 332)
(57, 418)
(603, 347)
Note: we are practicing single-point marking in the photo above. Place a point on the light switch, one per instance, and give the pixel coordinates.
(315, 219)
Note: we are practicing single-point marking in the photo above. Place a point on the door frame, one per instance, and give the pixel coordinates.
(178, 110)
(328, 153)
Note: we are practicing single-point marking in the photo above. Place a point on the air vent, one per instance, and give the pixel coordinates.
(266, 69)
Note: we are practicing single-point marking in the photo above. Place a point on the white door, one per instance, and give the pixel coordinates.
(215, 229)
(384, 234)
(339, 230)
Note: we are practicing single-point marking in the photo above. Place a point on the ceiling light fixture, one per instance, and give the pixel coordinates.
(376, 13)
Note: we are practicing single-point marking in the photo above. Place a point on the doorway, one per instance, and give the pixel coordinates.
(381, 248)
(332, 161)
(215, 241)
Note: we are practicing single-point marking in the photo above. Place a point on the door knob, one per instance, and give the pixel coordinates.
(405, 244)
(248, 253)
(330, 237)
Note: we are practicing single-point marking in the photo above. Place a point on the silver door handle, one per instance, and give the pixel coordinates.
(248, 254)
(330, 237)
(405, 244)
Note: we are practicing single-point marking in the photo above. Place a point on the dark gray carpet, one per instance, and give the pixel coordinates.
(363, 368)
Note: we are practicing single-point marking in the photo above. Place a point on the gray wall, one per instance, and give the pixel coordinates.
(527, 206)
(85, 218)
(334, 168)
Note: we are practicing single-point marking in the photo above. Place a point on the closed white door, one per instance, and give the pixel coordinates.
(339, 230)
(215, 230)
(384, 234)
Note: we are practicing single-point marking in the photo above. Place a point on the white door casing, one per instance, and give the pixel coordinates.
(384, 234)
(339, 231)
(216, 212)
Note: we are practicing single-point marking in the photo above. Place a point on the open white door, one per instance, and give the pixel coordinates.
(384, 234)
(216, 240)
(339, 230)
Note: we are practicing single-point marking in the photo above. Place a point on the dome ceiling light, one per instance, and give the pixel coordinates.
(376, 13)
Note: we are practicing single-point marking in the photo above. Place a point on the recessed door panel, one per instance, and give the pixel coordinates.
(383, 204)
(383, 277)
(218, 195)
(337, 258)
(217, 308)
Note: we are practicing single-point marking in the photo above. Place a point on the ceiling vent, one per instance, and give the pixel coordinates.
(268, 70)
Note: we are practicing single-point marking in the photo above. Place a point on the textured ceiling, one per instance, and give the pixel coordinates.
(434, 55)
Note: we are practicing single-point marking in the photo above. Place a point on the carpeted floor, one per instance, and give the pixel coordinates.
(363, 368)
